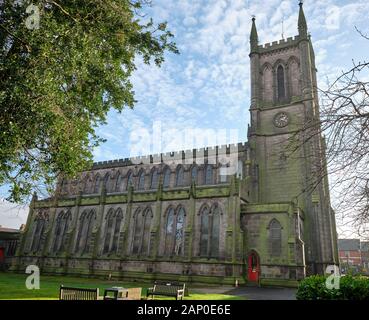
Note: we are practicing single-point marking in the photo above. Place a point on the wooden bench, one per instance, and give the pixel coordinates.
(69, 293)
(169, 289)
(134, 293)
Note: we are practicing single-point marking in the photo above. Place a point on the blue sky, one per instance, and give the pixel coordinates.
(206, 87)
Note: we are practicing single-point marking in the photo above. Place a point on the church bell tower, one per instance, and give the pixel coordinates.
(283, 100)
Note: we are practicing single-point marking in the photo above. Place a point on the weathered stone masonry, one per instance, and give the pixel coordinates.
(182, 215)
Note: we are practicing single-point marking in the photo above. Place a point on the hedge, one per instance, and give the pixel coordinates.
(350, 288)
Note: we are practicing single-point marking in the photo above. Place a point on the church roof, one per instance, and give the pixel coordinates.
(349, 244)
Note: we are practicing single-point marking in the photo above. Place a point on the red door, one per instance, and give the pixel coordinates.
(2, 257)
(253, 267)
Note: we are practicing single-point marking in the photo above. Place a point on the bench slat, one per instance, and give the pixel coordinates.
(69, 293)
(170, 289)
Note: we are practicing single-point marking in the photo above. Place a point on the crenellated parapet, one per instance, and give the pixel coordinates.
(199, 156)
(278, 45)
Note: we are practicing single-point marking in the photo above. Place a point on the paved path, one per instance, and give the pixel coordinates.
(253, 293)
(256, 293)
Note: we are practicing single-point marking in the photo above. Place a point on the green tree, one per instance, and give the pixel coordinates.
(63, 66)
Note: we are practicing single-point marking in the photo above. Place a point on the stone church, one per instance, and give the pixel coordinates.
(181, 216)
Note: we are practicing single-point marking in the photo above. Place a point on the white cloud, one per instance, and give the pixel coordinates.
(207, 85)
(12, 215)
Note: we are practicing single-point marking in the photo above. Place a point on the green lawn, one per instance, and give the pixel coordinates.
(12, 286)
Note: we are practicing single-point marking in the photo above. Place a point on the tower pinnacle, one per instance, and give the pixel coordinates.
(302, 22)
(254, 39)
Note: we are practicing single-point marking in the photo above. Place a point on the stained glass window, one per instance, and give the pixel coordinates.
(169, 232)
(174, 231)
(178, 248)
(275, 238)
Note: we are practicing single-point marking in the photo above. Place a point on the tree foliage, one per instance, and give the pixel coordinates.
(58, 81)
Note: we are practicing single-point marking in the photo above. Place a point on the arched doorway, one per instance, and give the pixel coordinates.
(253, 268)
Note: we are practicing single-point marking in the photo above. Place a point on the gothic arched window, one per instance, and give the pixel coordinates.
(169, 232)
(179, 235)
(166, 180)
(112, 230)
(209, 231)
(179, 176)
(118, 223)
(154, 179)
(108, 230)
(280, 83)
(209, 174)
(194, 174)
(275, 238)
(97, 184)
(62, 224)
(39, 227)
(141, 231)
(106, 182)
(174, 232)
(85, 231)
(119, 182)
(137, 231)
(146, 232)
(141, 180)
(129, 179)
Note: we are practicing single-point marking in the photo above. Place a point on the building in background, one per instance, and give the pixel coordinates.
(9, 239)
(354, 255)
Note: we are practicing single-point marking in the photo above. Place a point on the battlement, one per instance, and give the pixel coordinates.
(283, 43)
(180, 156)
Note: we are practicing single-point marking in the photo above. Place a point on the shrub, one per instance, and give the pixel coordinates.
(350, 288)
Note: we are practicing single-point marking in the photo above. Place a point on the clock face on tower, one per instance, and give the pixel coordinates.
(281, 120)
